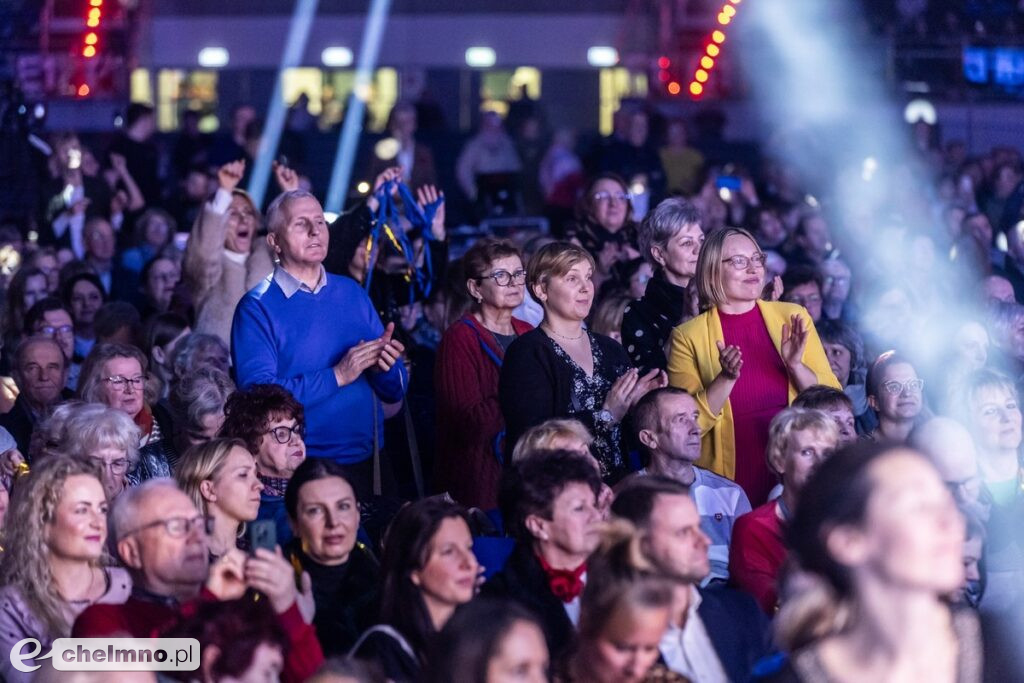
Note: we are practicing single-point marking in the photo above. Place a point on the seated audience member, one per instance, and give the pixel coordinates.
(876, 535)
(198, 350)
(949, 446)
(469, 359)
(220, 478)
(833, 403)
(428, 570)
(714, 633)
(549, 504)
(52, 566)
(239, 640)
(798, 441)
(106, 436)
(197, 406)
(489, 641)
(665, 426)
(40, 370)
(160, 336)
(162, 540)
(543, 375)
(115, 375)
(160, 278)
(845, 351)
(835, 290)
(27, 287)
(624, 614)
(563, 435)
(670, 238)
(83, 294)
(324, 513)
(49, 318)
(896, 395)
(802, 285)
(342, 367)
(271, 424)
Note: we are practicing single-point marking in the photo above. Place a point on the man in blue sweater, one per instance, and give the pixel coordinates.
(318, 336)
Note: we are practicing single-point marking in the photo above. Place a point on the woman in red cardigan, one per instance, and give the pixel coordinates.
(470, 427)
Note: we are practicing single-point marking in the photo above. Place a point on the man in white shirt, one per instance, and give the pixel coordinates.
(716, 634)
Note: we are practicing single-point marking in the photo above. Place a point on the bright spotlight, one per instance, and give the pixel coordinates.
(363, 187)
(480, 57)
(330, 216)
(213, 57)
(387, 148)
(920, 110)
(868, 169)
(336, 56)
(602, 55)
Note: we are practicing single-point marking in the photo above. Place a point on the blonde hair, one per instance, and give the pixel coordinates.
(792, 420)
(607, 318)
(555, 260)
(710, 266)
(540, 437)
(25, 563)
(201, 463)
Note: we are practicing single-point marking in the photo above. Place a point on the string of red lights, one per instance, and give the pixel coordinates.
(90, 43)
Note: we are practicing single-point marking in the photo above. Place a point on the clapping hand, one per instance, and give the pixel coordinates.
(731, 359)
(390, 351)
(794, 341)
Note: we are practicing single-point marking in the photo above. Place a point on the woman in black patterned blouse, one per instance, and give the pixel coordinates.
(561, 369)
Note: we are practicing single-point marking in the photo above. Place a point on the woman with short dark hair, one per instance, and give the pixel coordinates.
(470, 427)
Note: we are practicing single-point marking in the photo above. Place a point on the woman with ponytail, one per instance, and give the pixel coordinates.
(878, 540)
(623, 615)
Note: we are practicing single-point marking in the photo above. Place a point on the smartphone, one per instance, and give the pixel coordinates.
(74, 158)
(728, 182)
(262, 534)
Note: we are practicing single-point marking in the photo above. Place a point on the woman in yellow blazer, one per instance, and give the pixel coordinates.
(744, 359)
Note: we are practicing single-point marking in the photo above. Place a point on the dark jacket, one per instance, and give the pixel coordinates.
(390, 655)
(346, 597)
(536, 385)
(737, 627)
(20, 422)
(648, 322)
(524, 581)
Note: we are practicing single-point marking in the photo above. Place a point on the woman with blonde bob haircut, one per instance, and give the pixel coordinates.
(774, 343)
(562, 369)
(54, 560)
(220, 478)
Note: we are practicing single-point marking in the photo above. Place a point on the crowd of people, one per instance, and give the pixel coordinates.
(690, 434)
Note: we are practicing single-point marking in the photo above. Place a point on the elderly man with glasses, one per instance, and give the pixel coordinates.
(161, 538)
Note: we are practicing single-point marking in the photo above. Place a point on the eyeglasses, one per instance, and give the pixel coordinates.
(51, 331)
(178, 527)
(284, 434)
(802, 300)
(602, 197)
(121, 383)
(503, 278)
(119, 466)
(743, 262)
(911, 386)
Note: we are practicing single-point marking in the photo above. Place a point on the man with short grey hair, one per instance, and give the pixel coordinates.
(41, 373)
(318, 336)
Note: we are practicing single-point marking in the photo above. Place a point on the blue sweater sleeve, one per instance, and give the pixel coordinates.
(255, 357)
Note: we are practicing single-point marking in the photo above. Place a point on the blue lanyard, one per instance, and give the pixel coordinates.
(387, 220)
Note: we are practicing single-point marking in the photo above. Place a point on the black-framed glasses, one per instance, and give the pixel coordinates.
(121, 383)
(911, 386)
(603, 196)
(503, 278)
(283, 434)
(801, 299)
(740, 262)
(51, 331)
(178, 527)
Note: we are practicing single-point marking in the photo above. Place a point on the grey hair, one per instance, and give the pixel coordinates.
(95, 427)
(183, 362)
(276, 219)
(96, 361)
(125, 513)
(23, 348)
(198, 394)
(51, 436)
(664, 223)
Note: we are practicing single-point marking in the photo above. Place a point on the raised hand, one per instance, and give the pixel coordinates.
(655, 379)
(794, 341)
(393, 173)
(287, 178)
(731, 359)
(230, 174)
(427, 195)
(777, 288)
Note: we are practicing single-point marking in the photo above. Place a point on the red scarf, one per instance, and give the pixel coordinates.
(566, 584)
